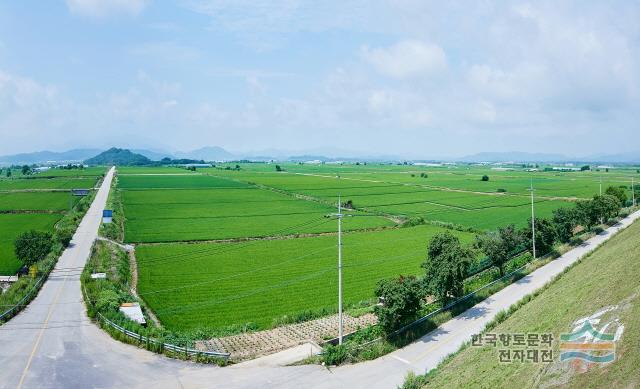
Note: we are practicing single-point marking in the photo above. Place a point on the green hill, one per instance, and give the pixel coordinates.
(119, 157)
(603, 286)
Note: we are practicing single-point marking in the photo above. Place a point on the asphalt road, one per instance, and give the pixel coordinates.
(52, 344)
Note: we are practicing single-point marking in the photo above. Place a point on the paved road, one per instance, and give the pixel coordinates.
(52, 344)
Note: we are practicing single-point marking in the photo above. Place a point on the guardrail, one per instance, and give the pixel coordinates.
(448, 306)
(164, 346)
(9, 313)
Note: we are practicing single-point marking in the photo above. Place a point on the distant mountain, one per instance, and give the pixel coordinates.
(514, 156)
(76, 155)
(154, 155)
(119, 157)
(615, 158)
(208, 154)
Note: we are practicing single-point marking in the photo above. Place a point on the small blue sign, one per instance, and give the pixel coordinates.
(107, 213)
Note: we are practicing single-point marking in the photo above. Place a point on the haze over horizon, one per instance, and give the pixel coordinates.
(406, 78)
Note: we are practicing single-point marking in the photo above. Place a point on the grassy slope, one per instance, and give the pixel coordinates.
(257, 282)
(606, 278)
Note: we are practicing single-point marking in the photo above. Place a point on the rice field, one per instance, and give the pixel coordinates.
(11, 225)
(37, 202)
(217, 285)
(192, 284)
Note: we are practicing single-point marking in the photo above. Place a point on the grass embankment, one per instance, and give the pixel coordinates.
(103, 298)
(608, 277)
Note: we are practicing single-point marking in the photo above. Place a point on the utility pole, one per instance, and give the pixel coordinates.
(633, 192)
(533, 222)
(339, 270)
(600, 185)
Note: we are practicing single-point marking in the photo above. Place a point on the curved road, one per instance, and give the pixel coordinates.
(52, 344)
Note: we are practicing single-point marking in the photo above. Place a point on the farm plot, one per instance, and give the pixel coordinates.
(36, 201)
(145, 170)
(168, 181)
(214, 285)
(11, 225)
(477, 210)
(208, 214)
(24, 184)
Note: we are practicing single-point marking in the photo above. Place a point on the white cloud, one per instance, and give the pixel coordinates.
(407, 59)
(103, 8)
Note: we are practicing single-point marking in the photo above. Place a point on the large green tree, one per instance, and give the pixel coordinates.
(545, 236)
(565, 220)
(33, 246)
(499, 245)
(619, 193)
(400, 302)
(446, 266)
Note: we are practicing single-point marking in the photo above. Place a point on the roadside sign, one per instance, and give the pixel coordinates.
(79, 192)
(107, 216)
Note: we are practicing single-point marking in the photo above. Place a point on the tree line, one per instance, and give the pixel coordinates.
(447, 263)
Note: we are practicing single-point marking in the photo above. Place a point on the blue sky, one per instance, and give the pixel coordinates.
(414, 78)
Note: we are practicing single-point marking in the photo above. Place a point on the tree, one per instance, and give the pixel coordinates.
(446, 266)
(64, 236)
(33, 246)
(485, 178)
(606, 206)
(565, 221)
(400, 302)
(618, 192)
(499, 245)
(278, 168)
(26, 170)
(545, 236)
(585, 167)
(8, 173)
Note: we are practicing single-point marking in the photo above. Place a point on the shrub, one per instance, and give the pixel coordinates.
(485, 178)
(64, 236)
(334, 355)
(108, 300)
(501, 190)
(401, 302)
(412, 381)
(33, 246)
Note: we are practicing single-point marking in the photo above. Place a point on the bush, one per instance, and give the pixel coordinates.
(64, 236)
(597, 230)
(412, 381)
(108, 300)
(401, 302)
(334, 355)
(485, 178)
(33, 246)
(501, 190)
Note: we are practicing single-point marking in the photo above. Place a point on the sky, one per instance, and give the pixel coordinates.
(415, 78)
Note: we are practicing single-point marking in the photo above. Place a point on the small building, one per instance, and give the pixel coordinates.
(133, 312)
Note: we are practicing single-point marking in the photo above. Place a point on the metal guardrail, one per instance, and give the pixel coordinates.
(165, 346)
(448, 306)
(9, 313)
